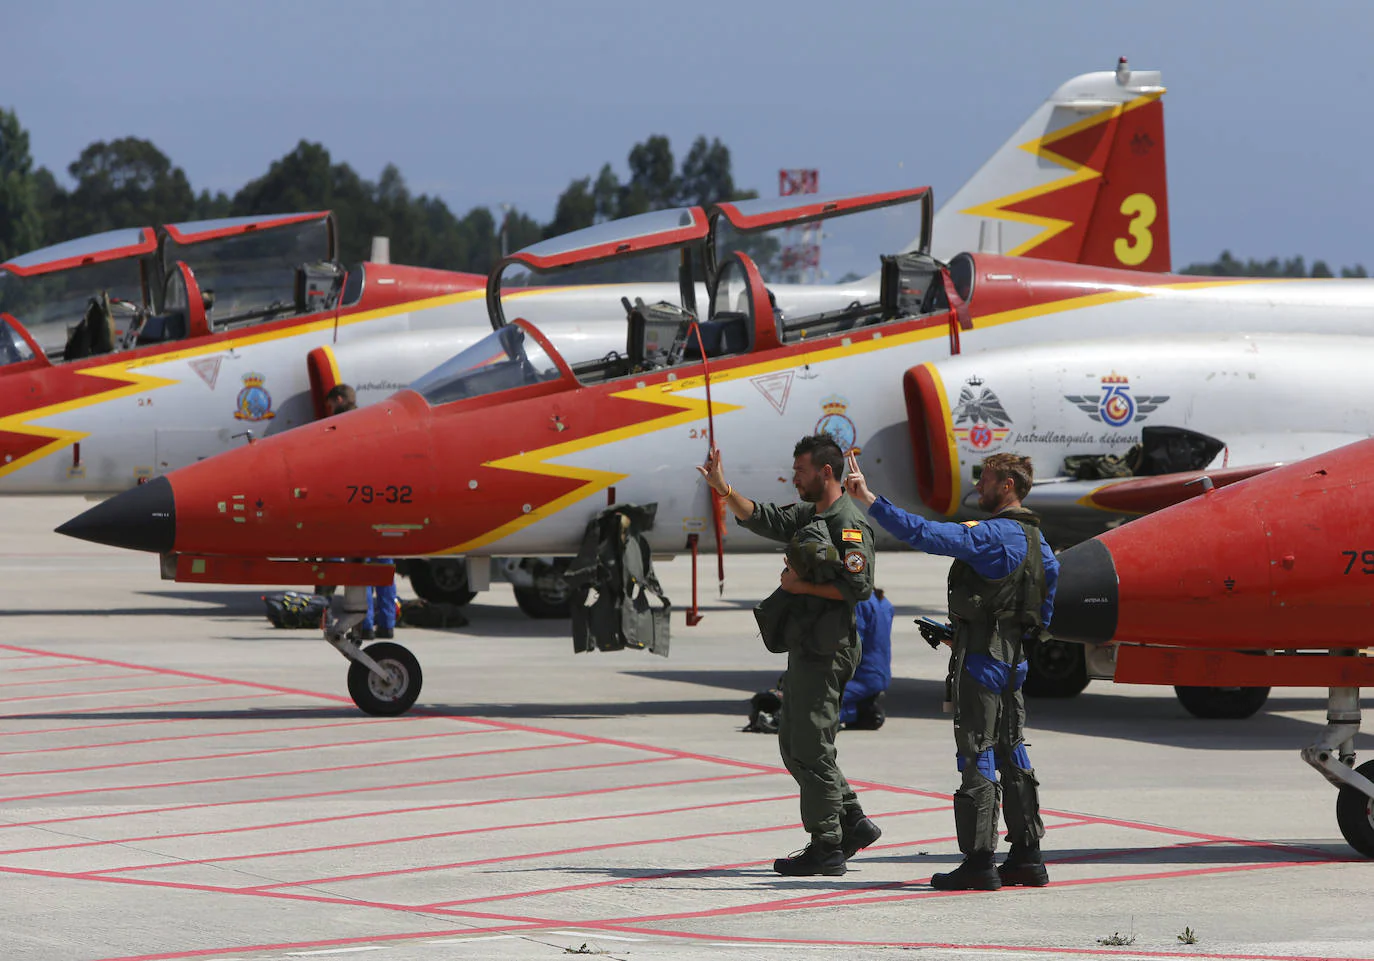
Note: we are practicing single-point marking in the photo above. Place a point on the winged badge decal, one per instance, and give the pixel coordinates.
(983, 409)
(1116, 405)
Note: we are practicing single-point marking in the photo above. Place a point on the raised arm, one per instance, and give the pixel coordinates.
(741, 506)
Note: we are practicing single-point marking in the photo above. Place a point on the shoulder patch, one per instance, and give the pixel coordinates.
(854, 562)
(969, 523)
(852, 534)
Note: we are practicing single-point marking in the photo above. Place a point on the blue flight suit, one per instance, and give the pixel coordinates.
(993, 587)
(874, 673)
(381, 605)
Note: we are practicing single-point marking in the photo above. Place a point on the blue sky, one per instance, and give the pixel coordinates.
(1267, 127)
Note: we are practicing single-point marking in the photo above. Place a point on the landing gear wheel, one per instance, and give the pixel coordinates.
(1217, 703)
(389, 696)
(441, 582)
(1355, 814)
(549, 597)
(1057, 669)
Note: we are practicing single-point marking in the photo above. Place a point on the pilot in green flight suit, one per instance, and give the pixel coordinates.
(1001, 592)
(830, 569)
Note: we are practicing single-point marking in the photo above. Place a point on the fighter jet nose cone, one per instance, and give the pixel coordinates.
(143, 518)
(1085, 598)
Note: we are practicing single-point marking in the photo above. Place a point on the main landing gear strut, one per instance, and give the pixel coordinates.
(1333, 754)
(384, 679)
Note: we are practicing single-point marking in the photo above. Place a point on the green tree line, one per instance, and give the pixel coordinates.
(129, 182)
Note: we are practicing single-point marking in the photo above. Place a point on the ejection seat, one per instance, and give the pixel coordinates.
(911, 285)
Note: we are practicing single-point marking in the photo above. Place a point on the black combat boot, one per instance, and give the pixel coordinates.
(858, 832)
(1025, 866)
(977, 873)
(818, 857)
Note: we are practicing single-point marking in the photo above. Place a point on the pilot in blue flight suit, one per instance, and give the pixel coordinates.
(381, 601)
(861, 708)
(1001, 593)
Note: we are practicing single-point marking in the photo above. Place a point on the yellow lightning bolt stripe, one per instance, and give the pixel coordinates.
(682, 410)
(23, 422)
(688, 409)
(1078, 173)
(947, 416)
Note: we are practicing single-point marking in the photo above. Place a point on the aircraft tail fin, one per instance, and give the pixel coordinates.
(1082, 181)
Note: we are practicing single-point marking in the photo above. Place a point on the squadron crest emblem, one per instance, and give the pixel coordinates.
(254, 402)
(980, 420)
(837, 424)
(1116, 407)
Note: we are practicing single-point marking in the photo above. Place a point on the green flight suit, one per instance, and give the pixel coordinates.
(991, 619)
(818, 666)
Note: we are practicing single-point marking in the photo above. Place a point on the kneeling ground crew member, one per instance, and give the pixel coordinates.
(1001, 592)
(821, 643)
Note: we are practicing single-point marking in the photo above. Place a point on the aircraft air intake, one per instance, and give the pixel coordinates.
(936, 459)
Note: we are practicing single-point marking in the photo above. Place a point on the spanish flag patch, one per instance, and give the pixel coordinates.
(853, 534)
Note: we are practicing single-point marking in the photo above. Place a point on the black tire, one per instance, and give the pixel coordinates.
(440, 582)
(542, 604)
(1222, 703)
(381, 698)
(1355, 814)
(1057, 669)
(550, 596)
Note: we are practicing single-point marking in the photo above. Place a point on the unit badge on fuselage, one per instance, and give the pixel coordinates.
(981, 423)
(1116, 407)
(254, 402)
(837, 424)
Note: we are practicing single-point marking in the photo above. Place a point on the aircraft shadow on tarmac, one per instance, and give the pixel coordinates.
(345, 711)
(208, 604)
(1098, 712)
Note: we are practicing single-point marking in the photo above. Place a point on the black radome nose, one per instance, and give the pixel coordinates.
(143, 518)
(1085, 599)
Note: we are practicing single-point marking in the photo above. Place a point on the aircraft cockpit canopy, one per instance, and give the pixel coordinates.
(124, 288)
(696, 283)
(509, 357)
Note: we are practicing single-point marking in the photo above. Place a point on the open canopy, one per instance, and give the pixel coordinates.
(620, 251)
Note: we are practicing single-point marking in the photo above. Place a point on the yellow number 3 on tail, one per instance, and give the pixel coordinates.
(1142, 211)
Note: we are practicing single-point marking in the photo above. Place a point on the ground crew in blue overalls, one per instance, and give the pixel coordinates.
(380, 620)
(821, 642)
(862, 705)
(1001, 593)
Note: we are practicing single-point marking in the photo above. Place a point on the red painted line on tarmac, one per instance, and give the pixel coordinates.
(147, 706)
(562, 795)
(69, 680)
(17, 657)
(447, 906)
(360, 790)
(257, 752)
(106, 745)
(120, 690)
(175, 673)
(536, 855)
(281, 774)
(45, 667)
(563, 822)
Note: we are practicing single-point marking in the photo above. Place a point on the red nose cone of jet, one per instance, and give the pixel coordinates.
(340, 487)
(1277, 561)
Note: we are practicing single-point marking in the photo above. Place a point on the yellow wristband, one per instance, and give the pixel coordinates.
(728, 491)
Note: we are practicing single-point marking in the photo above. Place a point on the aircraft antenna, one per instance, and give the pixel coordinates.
(801, 253)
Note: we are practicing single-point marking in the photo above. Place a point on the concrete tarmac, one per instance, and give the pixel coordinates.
(180, 780)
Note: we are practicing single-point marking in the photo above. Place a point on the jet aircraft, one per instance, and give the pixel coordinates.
(1067, 185)
(510, 449)
(1264, 583)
